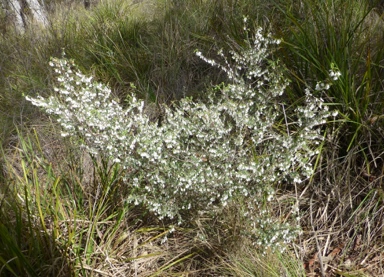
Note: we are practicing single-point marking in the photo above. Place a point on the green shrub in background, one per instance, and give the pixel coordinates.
(201, 156)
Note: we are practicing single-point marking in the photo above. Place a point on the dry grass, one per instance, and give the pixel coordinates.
(343, 218)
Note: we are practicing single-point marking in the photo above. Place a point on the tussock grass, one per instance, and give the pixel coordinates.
(345, 34)
(59, 220)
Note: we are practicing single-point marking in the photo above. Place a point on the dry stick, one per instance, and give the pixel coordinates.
(326, 247)
(317, 242)
(329, 235)
(286, 121)
(298, 197)
(135, 244)
(370, 151)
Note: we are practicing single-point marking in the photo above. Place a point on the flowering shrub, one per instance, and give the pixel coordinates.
(240, 142)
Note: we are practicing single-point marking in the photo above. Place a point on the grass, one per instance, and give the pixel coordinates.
(63, 213)
(66, 222)
(251, 264)
(345, 34)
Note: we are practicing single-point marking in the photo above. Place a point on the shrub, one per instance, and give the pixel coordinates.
(200, 156)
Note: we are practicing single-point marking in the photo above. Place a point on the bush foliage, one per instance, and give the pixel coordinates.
(200, 155)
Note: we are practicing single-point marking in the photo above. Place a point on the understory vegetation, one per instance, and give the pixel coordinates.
(194, 138)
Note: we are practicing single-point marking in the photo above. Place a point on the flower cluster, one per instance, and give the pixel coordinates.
(333, 75)
(202, 155)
